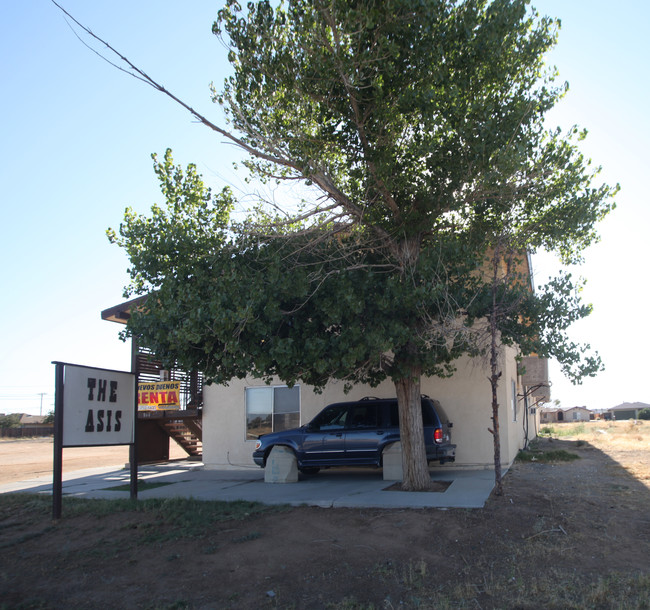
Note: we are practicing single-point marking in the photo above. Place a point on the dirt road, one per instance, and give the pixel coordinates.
(22, 459)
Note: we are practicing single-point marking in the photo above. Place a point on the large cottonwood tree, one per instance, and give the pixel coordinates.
(416, 121)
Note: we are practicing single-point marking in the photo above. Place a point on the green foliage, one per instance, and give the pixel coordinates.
(644, 414)
(566, 429)
(556, 455)
(422, 125)
(338, 313)
(10, 421)
(400, 111)
(170, 243)
(421, 120)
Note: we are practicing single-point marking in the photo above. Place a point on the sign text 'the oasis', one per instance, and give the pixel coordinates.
(102, 420)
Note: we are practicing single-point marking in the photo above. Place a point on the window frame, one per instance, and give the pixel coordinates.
(273, 414)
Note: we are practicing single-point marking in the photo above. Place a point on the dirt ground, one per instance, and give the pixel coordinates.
(564, 535)
(22, 459)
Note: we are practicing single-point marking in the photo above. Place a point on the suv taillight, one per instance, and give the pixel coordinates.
(437, 435)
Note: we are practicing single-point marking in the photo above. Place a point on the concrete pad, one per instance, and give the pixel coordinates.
(343, 487)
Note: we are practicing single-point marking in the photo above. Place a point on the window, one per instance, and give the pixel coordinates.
(332, 418)
(270, 409)
(363, 416)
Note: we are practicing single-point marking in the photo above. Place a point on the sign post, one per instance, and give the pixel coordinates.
(57, 485)
(92, 408)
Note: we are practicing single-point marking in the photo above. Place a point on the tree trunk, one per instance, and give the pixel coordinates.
(495, 374)
(494, 382)
(407, 384)
(414, 455)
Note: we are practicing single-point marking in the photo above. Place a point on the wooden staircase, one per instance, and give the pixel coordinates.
(188, 433)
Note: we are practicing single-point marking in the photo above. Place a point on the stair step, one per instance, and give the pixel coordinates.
(185, 434)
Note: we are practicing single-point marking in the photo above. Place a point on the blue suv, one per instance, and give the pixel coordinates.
(355, 434)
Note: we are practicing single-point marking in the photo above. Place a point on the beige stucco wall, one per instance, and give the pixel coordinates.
(466, 399)
(576, 414)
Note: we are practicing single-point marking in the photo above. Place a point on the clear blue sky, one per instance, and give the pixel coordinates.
(76, 142)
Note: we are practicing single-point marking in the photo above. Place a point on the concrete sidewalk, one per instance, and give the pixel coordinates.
(351, 488)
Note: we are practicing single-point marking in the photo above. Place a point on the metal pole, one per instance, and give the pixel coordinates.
(57, 471)
(133, 448)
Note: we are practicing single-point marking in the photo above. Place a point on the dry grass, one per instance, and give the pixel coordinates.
(565, 535)
(631, 434)
(629, 439)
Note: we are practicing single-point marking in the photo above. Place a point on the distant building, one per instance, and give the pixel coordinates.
(28, 425)
(32, 421)
(627, 410)
(578, 414)
(549, 415)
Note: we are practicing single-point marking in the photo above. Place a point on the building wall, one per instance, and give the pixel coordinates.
(624, 414)
(465, 398)
(547, 417)
(565, 416)
(576, 414)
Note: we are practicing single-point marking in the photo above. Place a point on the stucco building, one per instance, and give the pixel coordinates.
(229, 418)
(231, 414)
(573, 414)
(226, 420)
(627, 410)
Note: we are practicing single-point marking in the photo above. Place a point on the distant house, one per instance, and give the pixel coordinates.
(627, 410)
(549, 415)
(577, 414)
(32, 421)
(28, 425)
(34, 425)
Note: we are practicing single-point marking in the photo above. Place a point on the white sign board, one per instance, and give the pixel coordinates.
(98, 407)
